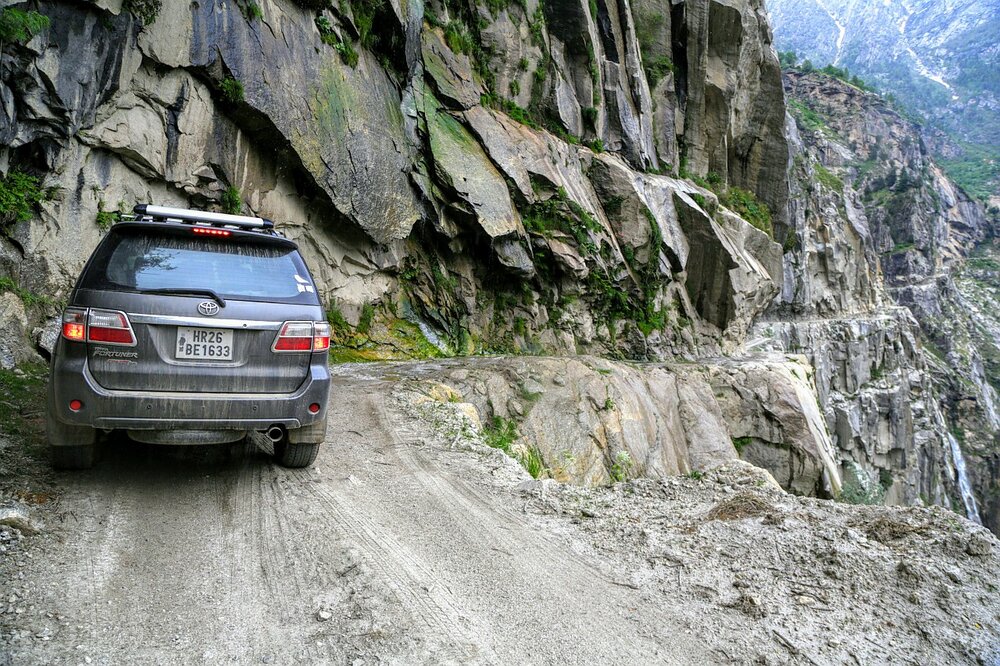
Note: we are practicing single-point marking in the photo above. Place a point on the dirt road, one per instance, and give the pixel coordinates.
(392, 548)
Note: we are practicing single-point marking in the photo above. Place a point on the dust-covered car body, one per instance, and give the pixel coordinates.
(191, 327)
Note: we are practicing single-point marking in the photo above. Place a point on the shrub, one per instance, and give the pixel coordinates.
(829, 179)
(657, 68)
(855, 492)
(740, 443)
(232, 90)
(347, 53)
(531, 459)
(316, 5)
(105, 218)
(621, 467)
(791, 241)
(254, 12)
(232, 201)
(500, 433)
(747, 206)
(20, 195)
(457, 38)
(28, 298)
(20, 26)
(807, 118)
(145, 10)
(364, 12)
(365, 322)
(338, 324)
(324, 26)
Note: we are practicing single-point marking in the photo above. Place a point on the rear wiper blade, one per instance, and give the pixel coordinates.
(182, 291)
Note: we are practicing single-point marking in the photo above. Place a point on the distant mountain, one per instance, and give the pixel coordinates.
(940, 58)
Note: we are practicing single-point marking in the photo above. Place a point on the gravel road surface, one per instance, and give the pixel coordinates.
(392, 548)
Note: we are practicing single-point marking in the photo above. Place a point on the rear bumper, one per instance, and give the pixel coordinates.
(153, 410)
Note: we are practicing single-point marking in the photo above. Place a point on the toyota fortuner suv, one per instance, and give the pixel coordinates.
(191, 327)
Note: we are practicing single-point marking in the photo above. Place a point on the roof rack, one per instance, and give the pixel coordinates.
(151, 212)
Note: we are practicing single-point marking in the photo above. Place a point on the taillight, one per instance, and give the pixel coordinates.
(302, 336)
(321, 336)
(75, 324)
(109, 327)
(294, 336)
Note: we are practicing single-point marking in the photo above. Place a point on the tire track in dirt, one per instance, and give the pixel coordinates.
(383, 551)
(365, 523)
(493, 563)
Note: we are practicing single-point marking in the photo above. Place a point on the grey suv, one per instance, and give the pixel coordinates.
(190, 327)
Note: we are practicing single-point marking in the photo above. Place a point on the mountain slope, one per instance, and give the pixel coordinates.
(941, 59)
(878, 233)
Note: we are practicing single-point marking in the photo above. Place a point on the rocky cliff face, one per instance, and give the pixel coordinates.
(874, 226)
(559, 178)
(431, 160)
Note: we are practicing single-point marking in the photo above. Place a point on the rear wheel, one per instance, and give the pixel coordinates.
(288, 454)
(73, 447)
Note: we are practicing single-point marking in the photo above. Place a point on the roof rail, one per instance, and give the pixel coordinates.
(188, 215)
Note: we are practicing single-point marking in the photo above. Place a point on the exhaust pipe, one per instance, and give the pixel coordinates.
(275, 433)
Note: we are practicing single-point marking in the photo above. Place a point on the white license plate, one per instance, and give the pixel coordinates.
(212, 344)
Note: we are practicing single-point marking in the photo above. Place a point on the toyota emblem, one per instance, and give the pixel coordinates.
(208, 308)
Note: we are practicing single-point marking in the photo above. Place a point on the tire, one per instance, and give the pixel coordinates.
(288, 454)
(72, 447)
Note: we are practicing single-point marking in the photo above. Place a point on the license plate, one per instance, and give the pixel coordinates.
(212, 344)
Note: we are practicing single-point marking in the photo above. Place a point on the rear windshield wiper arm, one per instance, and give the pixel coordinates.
(182, 291)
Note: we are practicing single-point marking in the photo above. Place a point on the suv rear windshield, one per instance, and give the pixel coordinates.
(241, 268)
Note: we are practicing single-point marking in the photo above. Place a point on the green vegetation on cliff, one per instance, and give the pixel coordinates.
(144, 10)
(232, 201)
(976, 169)
(20, 26)
(20, 195)
(232, 90)
(29, 298)
(742, 202)
(749, 207)
(23, 391)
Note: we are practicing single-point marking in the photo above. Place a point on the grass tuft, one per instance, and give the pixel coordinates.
(232, 90)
